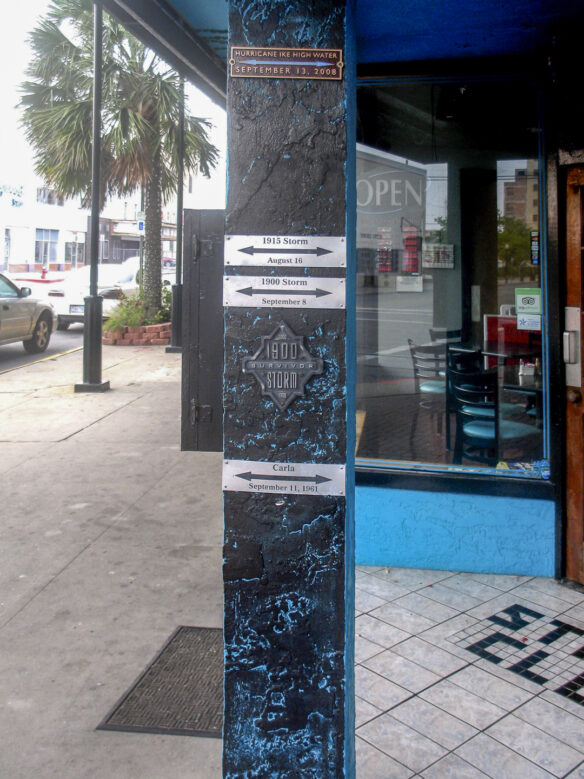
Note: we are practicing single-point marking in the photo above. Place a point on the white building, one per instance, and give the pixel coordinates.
(40, 231)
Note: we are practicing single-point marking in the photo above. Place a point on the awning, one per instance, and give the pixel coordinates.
(192, 34)
(193, 45)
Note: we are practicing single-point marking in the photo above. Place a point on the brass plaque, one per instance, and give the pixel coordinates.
(273, 62)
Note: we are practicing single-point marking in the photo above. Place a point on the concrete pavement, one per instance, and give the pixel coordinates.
(110, 539)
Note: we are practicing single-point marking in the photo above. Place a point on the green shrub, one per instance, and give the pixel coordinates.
(164, 313)
(129, 312)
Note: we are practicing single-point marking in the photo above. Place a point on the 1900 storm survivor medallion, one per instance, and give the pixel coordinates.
(282, 365)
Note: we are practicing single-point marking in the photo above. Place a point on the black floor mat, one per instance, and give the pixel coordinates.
(180, 692)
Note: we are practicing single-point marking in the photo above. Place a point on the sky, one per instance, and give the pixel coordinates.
(13, 58)
(15, 154)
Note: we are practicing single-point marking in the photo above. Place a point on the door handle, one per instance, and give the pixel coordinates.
(195, 247)
(570, 346)
(574, 395)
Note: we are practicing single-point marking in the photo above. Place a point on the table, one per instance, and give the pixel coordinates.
(502, 351)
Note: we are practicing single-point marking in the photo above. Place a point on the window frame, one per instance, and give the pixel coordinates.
(436, 477)
(73, 249)
(49, 243)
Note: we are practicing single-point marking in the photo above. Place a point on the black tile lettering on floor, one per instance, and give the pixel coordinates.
(547, 651)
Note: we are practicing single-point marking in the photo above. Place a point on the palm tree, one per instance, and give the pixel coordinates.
(140, 108)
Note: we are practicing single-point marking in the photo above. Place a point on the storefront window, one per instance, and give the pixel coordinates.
(46, 246)
(450, 310)
(74, 253)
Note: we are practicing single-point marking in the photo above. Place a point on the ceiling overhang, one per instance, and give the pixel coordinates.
(161, 27)
(192, 34)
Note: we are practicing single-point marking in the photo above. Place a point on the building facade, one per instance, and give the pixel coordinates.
(458, 155)
(466, 149)
(41, 231)
(464, 146)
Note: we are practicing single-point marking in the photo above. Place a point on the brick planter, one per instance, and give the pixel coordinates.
(139, 336)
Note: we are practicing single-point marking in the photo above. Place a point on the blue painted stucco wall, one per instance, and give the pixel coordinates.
(453, 532)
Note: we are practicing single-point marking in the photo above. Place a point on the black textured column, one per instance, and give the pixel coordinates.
(285, 397)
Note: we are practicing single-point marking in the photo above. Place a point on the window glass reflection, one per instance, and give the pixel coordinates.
(449, 305)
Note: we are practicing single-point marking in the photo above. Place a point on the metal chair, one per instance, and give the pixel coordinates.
(429, 364)
(483, 430)
(458, 363)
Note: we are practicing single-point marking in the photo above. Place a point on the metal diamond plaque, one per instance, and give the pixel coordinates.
(282, 365)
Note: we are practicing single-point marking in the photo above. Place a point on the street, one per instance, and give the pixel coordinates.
(14, 356)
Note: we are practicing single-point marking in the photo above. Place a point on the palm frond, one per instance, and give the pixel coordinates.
(140, 105)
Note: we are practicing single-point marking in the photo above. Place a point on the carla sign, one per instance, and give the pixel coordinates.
(282, 365)
(283, 478)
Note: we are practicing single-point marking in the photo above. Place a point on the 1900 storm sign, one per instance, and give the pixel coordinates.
(282, 366)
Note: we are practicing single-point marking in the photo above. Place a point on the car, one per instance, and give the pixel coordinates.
(113, 281)
(23, 318)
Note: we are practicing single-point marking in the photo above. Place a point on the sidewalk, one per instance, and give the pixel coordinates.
(111, 539)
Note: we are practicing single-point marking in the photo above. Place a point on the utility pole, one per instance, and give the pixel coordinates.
(176, 312)
(93, 316)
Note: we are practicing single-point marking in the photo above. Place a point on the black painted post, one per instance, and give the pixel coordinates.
(287, 476)
(92, 328)
(177, 287)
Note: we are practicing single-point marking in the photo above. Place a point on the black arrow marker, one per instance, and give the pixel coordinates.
(319, 251)
(269, 291)
(249, 476)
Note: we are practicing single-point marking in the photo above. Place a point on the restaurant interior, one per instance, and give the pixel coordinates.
(451, 359)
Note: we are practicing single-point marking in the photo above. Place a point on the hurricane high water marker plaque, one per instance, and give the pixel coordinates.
(284, 478)
(275, 62)
(294, 251)
(284, 292)
(282, 365)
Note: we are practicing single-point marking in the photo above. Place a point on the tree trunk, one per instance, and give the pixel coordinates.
(152, 274)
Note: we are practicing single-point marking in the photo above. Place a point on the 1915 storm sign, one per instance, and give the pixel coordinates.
(293, 251)
(282, 365)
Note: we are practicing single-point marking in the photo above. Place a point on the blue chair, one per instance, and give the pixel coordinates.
(457, 363)
(484, 427)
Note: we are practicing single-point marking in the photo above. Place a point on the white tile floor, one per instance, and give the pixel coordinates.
(457, 676)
